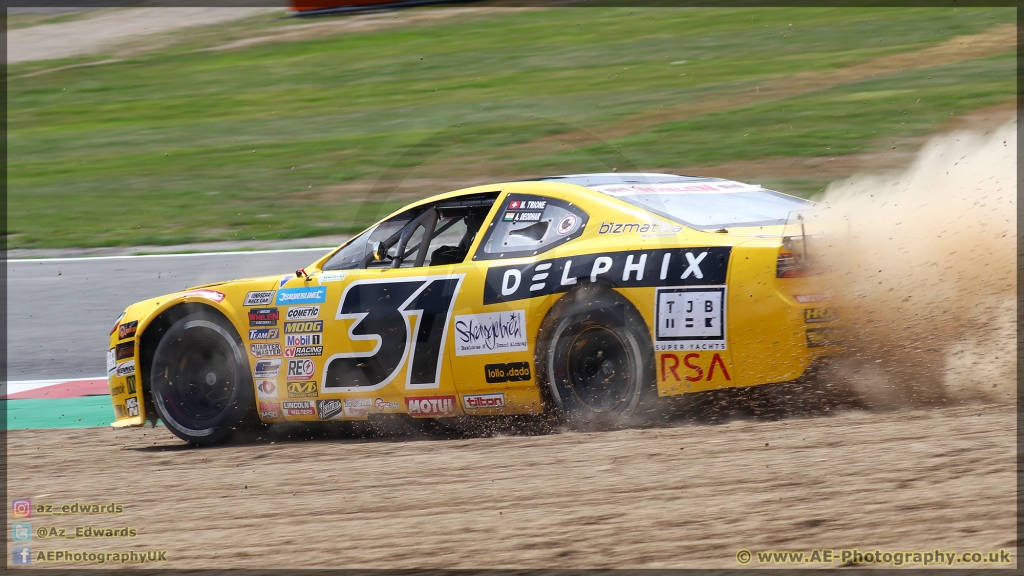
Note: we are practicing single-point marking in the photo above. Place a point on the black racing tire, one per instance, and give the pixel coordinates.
(200, 380)
(598, 361)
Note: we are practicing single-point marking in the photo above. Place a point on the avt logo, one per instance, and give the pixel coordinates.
(302, 340)
(306, 389)
(477, 401)
(302, 327)
(300, 369)
(431, 405)
(302, 312)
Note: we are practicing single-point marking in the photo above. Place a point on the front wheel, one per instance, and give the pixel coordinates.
(201, 385)
(598, 362)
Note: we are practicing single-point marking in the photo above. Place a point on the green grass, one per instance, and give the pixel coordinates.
(158, 149)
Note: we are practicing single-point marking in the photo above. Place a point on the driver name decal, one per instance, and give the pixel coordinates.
(492, 333)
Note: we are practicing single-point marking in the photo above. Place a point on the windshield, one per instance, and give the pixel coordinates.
(710, 204)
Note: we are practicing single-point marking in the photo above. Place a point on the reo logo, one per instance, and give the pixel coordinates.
(431, 405)
(303, 327)
(300, 369)
(812, 315)
(477, 401)
(264, 334)
(306, 389)
(259, 298)
(302, 312)
(511, 372)
(127, 330)
(264, 317)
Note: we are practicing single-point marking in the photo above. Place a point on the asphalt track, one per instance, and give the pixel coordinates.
(60, 310)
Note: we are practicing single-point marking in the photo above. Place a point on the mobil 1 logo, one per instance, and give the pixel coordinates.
(690, 318)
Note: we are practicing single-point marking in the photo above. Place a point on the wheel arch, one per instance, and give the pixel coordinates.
(151, 334)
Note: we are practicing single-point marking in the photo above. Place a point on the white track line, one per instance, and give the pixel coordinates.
(173, 254)
(16, 386)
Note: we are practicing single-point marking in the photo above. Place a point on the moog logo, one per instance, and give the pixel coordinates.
(301, 327)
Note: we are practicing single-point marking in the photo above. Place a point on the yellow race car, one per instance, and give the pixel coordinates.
(591, 295)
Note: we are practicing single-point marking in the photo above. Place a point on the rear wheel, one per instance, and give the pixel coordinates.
(200, 379)
(598, 361)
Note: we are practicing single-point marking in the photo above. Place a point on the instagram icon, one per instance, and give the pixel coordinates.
(21, 507)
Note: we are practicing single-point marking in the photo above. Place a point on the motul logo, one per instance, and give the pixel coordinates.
(431, 405)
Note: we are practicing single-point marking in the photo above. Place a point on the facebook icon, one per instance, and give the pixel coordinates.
(21, 554)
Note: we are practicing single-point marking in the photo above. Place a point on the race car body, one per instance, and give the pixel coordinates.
(589, 294)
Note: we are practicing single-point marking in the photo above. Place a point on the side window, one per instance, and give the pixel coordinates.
(527, 225)
(353, 255)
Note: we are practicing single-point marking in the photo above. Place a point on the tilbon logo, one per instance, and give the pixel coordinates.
(431, 405)
(478, 401)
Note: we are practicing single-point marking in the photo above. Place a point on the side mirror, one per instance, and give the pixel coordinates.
(379, 251)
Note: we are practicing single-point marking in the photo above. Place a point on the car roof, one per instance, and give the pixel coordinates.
(610, 178)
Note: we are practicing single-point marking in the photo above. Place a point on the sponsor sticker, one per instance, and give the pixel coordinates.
(259, 298)
(307, 389)
(330, 276)
(631, 269)
(691, 318)
(817, 337)
(264, 316)
(266, 388)
(302, 313)
(327, 409)
(111, 361)
(127, 330)
(130, 382)
(125, 350)
(813, 315)
(131, 406)
(511, 372)
(494, 332)
(303, 351)
(381, 405)
(264, 334)
(270, 410)
(117, 390)
(357, 407)
(636, 228)
(302, 327)
(478, 401)
(267, 368)
(125, 368)
(294, 340)
(298, 408)
(266, 349)
(567, 224)
(208, 294)
(300, 369)
(431, 405)
(692, 367)
(812, 298)
(305, 295)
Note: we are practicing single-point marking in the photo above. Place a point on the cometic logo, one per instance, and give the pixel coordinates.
(303, 327)
(302, 312)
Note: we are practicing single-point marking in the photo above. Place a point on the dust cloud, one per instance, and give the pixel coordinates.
(922, 264)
